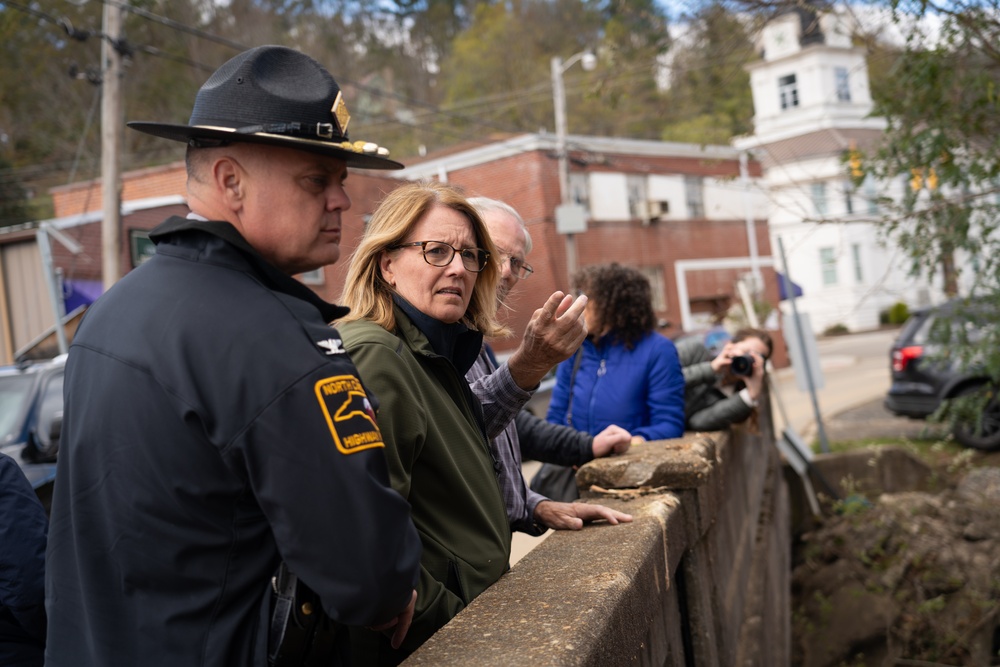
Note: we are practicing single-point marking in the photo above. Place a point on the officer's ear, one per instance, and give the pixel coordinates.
(229, 179)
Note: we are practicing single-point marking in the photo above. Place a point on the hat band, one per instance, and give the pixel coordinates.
(321, 130)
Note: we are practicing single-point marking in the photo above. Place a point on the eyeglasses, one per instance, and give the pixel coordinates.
(518, 266)
(439, 253)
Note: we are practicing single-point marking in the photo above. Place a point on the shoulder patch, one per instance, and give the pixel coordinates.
(348, 413)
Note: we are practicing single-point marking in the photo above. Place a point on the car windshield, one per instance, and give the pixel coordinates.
(14, 393)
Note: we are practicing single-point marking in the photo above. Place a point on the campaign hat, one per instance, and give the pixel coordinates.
(277, 96)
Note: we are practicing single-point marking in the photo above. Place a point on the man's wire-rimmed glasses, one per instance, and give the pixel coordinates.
(439, 253)
(519, 267)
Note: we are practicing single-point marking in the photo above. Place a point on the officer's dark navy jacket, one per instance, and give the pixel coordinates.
(213, 425)
(22, 568)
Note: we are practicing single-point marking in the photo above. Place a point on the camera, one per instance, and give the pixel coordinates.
(742, 365)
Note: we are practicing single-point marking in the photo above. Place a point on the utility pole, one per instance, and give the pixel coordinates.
(111, 140)
(570, 218)
(758, 281)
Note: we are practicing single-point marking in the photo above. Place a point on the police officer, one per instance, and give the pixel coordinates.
(213, 424)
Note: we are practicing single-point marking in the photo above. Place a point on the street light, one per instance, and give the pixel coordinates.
(570, 219)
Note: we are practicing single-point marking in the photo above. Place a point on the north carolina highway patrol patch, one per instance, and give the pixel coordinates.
(348, 413)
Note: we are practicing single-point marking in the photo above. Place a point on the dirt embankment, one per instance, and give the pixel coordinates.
(910, 578)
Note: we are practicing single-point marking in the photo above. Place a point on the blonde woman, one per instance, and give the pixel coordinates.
(422, 292)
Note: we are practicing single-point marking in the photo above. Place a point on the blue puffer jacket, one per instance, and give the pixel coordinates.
(641, 390)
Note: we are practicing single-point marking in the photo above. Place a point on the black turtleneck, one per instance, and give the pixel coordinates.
(455, 342)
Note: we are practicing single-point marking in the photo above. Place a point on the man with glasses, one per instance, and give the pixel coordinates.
(552, 335)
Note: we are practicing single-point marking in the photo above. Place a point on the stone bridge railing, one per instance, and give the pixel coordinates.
(701, 577)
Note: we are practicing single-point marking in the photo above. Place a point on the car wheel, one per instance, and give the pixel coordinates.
(987, 437)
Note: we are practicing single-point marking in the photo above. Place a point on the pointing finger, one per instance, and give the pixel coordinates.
(575, 311)
(551, 306)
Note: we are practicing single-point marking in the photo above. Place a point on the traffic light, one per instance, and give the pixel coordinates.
(854, 160)
(919, 180)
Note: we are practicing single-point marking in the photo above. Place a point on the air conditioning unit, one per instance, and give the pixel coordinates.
(653, 210)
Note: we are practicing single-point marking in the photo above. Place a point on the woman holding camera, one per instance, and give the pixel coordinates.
(724, 390)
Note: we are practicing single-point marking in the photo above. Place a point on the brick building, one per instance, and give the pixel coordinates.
(678, 212)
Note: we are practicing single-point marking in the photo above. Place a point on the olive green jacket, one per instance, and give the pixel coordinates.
(439, 461)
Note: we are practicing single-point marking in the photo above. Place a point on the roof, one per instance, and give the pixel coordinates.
(75, 220)
(516, 145)
(821, 143)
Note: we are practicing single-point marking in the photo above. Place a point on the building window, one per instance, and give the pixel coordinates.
(694, 193)
(819, 198)
(828, 266)
(871, 195)
(843, 84)
(856, 256)
(636, 186)
(788, 90)
(848, 198)
(579, 189)
(654, 274)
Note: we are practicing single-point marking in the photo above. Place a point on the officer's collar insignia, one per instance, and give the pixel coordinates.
(331, 345)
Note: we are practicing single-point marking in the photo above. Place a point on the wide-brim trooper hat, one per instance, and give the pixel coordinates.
(278, 96)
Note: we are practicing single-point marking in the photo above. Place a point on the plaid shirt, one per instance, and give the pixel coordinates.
(502, 399)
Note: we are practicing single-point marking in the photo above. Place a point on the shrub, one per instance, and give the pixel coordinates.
(898, 313)
(835, 330)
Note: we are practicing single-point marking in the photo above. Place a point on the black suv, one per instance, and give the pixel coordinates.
(31, 408)
(924, 375)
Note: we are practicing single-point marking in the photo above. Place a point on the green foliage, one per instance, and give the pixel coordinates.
(14, 206)
(836, 330)
(853, 504)
(710, 100)
(943, 141)
(897, 313)
(416, 73)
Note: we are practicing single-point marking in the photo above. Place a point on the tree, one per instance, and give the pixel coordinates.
(14, 206)
(710, 97)
(499, 69)
(942, 104)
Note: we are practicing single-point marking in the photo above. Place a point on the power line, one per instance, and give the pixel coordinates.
(176, 25)
(432, 113)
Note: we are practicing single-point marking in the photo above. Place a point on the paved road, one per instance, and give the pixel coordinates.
(855, 371)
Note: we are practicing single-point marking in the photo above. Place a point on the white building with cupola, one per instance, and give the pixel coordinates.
(812, 106)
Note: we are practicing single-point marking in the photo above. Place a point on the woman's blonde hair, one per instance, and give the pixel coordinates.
(369, 295)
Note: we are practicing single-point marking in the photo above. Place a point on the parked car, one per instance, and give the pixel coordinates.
(924, 374)
(31, 408)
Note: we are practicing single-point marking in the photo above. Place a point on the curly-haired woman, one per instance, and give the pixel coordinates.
(625, 373)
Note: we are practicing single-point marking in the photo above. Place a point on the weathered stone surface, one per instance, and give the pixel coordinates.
(684, 463)
(669, 589)
(874, 470)
(581, 598)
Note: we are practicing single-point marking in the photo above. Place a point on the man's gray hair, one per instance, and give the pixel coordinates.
(484, 205)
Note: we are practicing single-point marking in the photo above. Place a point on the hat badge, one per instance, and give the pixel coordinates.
(340, 114)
